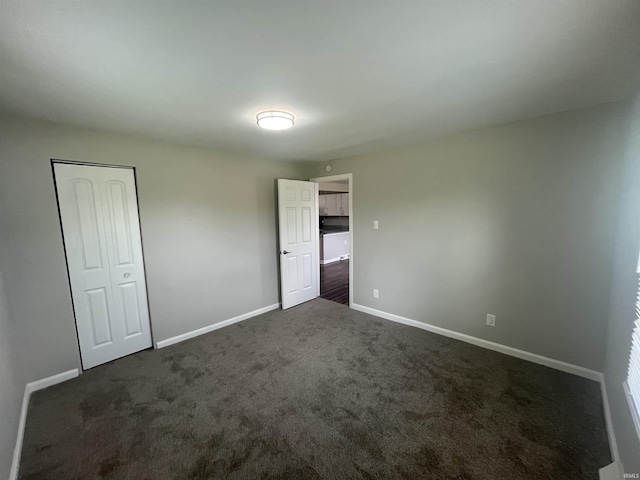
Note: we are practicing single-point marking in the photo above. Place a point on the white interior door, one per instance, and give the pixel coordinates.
(298, 219)
(101, 229)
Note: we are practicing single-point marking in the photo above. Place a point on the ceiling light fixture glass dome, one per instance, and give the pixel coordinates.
(275, 120)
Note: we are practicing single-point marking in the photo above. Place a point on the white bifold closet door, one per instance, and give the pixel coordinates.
(101, 229)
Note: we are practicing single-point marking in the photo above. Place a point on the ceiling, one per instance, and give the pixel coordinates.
(358, 75)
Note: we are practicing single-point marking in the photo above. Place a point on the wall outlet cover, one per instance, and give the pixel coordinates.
(376, 294)
(491, 320)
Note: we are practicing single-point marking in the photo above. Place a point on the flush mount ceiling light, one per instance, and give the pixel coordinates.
(275, 120)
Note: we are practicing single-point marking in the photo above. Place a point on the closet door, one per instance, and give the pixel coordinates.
(101, 230)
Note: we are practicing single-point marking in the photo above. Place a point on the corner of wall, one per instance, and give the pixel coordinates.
(623, 293)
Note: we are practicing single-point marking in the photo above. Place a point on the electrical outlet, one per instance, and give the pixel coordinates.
(491, 320)
(376, 294)
(345, 242)
(375, 224)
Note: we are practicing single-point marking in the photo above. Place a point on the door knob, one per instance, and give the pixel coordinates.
(284, 252)
(127, 275)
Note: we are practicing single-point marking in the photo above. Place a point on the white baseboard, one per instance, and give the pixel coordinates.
(333, 260)
(53, 380)
(610, 471)
(29, 388)
(607, 473)
(613, 444)
(497, 347)
(613, 471)
(62, 377)
(17, 451)
(215, 326)
(633, 408)
(329, 260)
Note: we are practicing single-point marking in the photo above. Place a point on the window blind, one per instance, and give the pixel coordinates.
(632, 385)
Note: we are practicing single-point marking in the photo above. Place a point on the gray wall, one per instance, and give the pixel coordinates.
(11, 385)
(515, 220)
(208, 225)
(623, 296)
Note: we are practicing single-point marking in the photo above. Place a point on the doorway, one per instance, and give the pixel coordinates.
(101, 231)
(335, 237)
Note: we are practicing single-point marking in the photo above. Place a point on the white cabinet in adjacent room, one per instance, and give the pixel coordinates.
(332, 205)
(344, 204)
(322, 204)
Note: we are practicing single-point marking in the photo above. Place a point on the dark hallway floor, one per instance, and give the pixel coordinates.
(318, 391)
(334, 281)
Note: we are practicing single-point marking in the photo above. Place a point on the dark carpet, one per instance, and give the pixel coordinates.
(317, 391)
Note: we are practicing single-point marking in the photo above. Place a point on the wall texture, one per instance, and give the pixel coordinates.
(515, 220)
(208, 226)
(623, 297)
(11, 386)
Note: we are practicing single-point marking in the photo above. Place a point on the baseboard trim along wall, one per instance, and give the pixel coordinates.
(210, 328)
(28, 390)
(497, 347)
(333, 260)
(613, 471)
(613, 444)
(62, 377)
(606, 473)
(532, 357)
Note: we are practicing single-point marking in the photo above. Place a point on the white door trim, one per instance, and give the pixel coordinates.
(333, 178)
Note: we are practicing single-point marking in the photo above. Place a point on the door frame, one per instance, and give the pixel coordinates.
(333, 178)
(55, 161)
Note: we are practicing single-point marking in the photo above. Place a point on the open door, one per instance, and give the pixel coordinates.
(298, 220)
